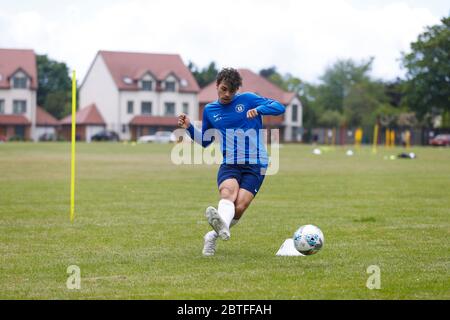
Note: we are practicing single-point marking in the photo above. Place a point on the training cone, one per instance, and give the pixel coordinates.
(288, 249)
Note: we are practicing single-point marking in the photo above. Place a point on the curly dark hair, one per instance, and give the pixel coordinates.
(231, 77)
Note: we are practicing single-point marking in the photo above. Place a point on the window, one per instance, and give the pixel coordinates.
(169, 109)
(130, 107)
(186, 108)
(2, 106)
(124, 128)
(147, 85)
(294, 112)
(170, 86)
(19, 106)
(19, 83)
(19, 131)
(146, 108)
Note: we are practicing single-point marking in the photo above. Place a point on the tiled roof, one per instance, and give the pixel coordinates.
(43, 118)
(13, 60)
(13, 119)
(134, 65)
(88, 116)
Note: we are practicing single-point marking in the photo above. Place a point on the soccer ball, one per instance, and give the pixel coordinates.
(308, 239)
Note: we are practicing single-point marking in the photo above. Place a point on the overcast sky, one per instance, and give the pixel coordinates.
(296, 36)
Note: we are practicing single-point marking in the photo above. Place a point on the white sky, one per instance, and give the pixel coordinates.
(297, 36)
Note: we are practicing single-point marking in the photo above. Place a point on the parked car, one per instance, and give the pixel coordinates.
(47, 136)
(105, 135)
(158, 137)
(440, 140)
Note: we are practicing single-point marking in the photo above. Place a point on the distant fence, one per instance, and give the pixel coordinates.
(346, 136)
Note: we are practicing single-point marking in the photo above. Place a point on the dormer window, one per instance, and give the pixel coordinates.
(19, 82)
(147, 85)
(169, 86)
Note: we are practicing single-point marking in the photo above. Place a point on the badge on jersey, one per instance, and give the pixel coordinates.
(240, 108)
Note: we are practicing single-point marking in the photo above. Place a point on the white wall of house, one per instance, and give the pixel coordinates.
(28, 95)
(292, 125)
(99, 88)
(158, 100)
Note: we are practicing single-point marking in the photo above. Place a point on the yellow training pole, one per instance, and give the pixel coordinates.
(358, 137)
(392, 138)
(375, 139)
(72, 171)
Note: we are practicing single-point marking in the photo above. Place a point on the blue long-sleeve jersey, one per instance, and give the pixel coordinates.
(242, 139)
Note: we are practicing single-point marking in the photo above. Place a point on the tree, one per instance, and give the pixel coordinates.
(54, 86)
(338, 80)
(204, 76)
(347, 89)
(268, 72)
(330, 119)
(427, 88)
(362, 101)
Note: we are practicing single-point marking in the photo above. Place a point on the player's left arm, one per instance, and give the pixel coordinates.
(265, 107)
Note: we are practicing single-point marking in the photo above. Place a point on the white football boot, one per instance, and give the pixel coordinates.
(210, 243)
(216, 222)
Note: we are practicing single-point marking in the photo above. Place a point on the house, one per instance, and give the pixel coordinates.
(88, 122)
(289, 124)
(46, 125)
(139, 93)
(18, 89)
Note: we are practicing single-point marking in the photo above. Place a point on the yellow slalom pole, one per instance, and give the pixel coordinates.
(392, 138)
(72, 171)
(375, 139)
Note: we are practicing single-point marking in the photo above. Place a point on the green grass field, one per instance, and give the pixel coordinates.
(139, 225)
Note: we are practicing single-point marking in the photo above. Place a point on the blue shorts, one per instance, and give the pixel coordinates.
(248, 176)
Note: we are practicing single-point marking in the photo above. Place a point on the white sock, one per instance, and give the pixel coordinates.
(226, 211)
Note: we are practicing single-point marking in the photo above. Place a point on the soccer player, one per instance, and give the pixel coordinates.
(235, 116)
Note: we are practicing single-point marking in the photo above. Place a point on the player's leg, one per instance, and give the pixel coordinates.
(221, 219)
(251, 182)
(243, 200)
(228, 182)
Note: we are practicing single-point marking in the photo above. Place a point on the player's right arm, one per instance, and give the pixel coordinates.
(194, 133)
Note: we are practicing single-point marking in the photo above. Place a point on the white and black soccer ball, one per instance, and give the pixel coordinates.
(308, 239)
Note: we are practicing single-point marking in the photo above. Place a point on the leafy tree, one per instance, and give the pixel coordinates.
(338, 80)
(54, 86)
(361, 102)
(268, 72)
(427, 88)
(204, 76)
(330, 119)
(394, 92)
